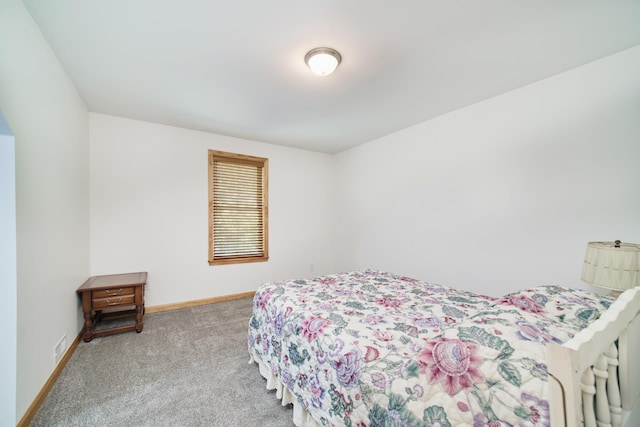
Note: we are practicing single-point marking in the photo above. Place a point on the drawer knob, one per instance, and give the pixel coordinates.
(113, 293)
(109, 302)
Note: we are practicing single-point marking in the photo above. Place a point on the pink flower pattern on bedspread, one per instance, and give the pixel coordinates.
(369, 348)
(453, 363)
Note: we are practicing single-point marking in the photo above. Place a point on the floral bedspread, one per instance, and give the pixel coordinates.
(369, 348)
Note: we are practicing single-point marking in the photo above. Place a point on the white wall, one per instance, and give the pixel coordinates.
(149, 210)
(8, 276)
(50, 125)
(502, 194)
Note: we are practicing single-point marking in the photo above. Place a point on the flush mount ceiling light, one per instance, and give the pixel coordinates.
(322, 60)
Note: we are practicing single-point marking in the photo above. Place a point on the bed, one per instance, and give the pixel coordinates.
(371, 348)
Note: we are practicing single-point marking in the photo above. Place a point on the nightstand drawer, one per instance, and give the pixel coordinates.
(115, 292)
(115, 301)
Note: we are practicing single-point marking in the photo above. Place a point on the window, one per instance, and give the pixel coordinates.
(238, 208)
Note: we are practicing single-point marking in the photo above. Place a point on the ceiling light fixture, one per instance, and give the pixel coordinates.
(323, 60)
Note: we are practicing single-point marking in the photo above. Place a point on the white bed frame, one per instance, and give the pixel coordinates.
(595, 376)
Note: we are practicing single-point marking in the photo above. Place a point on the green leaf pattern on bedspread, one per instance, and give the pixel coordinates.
(369, 348)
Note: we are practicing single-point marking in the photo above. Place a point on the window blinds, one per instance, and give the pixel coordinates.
(238, 209)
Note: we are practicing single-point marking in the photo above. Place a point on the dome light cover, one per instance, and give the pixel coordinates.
(323, 60)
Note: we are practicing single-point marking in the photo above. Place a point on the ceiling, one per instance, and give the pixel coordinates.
(237, 67)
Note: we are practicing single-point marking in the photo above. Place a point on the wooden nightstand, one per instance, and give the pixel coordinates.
(121, 294)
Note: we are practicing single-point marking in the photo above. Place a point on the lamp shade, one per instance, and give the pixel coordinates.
(612, 265)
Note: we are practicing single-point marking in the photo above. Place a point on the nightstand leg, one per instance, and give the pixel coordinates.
(139, 325)
(88, 327)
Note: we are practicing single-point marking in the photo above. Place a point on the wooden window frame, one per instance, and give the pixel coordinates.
(240, 159)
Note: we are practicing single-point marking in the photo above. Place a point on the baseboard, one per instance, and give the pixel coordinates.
(195, 303)
(37, 402)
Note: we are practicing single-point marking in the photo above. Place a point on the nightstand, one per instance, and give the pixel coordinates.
(111, 296)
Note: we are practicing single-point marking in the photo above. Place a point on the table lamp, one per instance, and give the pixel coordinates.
(612, 265)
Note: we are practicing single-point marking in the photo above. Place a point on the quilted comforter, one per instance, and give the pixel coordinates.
(369, 348)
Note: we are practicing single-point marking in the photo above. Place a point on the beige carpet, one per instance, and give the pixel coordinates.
(188, 367)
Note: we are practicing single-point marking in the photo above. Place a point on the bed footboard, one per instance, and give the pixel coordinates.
(595, 379)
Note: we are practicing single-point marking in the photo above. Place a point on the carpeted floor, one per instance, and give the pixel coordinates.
(188, 367)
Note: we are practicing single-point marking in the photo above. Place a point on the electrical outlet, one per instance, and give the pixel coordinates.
(60, 348)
